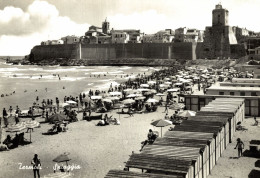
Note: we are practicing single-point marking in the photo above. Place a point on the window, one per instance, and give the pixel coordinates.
(242, 93)
(253, 93)
(232, 93)
(221, 93)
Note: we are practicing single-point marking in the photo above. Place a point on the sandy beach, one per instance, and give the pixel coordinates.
(95, 149)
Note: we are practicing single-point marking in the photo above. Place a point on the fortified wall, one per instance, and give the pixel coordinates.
(109, 52)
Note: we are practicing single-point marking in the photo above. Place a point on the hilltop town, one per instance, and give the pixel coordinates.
(219, 41)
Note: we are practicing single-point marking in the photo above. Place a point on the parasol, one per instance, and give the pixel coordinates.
(161, 123)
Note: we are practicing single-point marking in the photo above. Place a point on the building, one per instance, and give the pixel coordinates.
(233, 91)
(106, 39)
(163, 36)
(179, 34)
(119, 37)
(135, 36)
(70, 39)
(148, 38)
(220, 40)
(193, 35)
(52, 42)
(105, 27)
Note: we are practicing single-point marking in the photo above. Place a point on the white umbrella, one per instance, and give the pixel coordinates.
(30, 125)
(160, 94)
(113, 98)
(16, 128)
(187, 113)
(128, 101)
(168, 83)
(167, 79)
(64, 104)
(96, 97)
(151, 82)
(152, 100)
(144, 85)
(173, 90)
(143, 89)
(131, 96)
(115, 93)
(140, 98)
(107, 100)
(71, 102)
(178, 84)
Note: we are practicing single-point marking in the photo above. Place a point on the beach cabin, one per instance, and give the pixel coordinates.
(233, 91)
(206, 160)
(230, 84)
(245, 80)
(158, 164)
(130, 174)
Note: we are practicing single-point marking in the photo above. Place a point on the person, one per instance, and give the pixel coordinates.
(36, 165)
(5, 117)
(167, 117)
(166, 108)
(240, 146)
(256, 121)
(150, 135)
(130, 112)
(16, 118)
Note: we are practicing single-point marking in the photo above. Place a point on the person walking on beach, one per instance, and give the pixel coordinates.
(36, 165)
(166, 108)
(240, 146)
(5, 117)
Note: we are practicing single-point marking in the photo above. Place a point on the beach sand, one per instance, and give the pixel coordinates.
(97, 149)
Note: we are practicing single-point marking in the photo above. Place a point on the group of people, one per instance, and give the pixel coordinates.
(108, 120)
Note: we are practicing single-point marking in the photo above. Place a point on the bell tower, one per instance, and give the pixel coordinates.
(219, 16)
(105, 27)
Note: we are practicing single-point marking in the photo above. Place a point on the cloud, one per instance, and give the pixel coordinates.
(21, 30)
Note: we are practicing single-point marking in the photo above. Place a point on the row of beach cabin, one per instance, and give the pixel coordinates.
(191, 149)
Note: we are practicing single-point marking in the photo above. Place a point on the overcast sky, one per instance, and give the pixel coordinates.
(25, 23)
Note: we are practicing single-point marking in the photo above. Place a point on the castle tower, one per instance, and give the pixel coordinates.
(105, 27)
(219, 37)
(219, 16)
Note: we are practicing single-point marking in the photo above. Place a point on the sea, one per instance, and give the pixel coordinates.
(21, 84)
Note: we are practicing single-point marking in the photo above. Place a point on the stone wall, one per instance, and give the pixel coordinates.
(109, 52)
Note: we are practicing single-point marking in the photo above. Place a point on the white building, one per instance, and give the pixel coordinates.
(120, 37)
(70, 39)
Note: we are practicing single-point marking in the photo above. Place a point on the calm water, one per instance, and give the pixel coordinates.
(28, 82)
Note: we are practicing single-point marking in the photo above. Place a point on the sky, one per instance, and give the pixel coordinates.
(25, 23)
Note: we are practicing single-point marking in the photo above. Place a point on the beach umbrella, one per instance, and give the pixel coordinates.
(113, 98)
(115, 93)
(167, 79)
(65, 104)
(16, 128)
(62, 158)
(59, 175)
(153, 91)
(152, 100)
(126, 90)
(131, 96)
(96, 97)
(128, 101)
(151, 82)
(161, 123)
(71, 102)
(144, 85)
(178, 84)
(57, 117)
(107, 100)
(187, 113)
(160, 94)
(173, 90)
(167, 83)
(30, 125)
(86, 99)
(143, 89)
(140, 98)
(176, 106)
